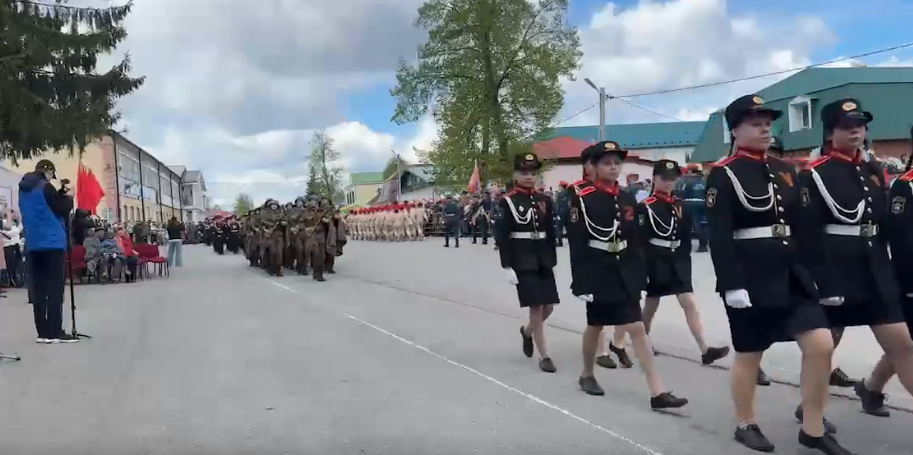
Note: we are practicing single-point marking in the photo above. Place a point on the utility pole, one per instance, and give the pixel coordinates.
(602, 100)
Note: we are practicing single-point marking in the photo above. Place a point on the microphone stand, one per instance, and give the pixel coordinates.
(73, 332)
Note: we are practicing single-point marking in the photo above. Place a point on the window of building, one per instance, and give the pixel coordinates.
(800, 114)
(129, 167)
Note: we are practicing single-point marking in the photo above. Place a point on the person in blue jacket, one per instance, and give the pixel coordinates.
(44, 211)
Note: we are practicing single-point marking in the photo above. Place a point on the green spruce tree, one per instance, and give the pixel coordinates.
(51, 96)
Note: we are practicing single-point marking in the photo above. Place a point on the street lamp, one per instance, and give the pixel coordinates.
(602, 98)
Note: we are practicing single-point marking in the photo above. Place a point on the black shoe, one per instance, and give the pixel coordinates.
(751, 436)
(590, 386)
(872, 402)
(763, 380)
(331, 271)
(702, 249)
(827, 444)
(714, 354)
(446, 246)
(622, 355)
(841, 379)
(319, 278)
(547, 365)
(829, 427)
(606, 361)
(560, 244)
(527, 343)
(457, 245)
(667, 400)
(65, 338)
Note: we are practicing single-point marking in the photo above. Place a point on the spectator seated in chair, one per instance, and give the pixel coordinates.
(103, 258)
(131, 256)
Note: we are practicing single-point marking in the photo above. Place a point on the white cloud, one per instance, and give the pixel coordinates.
(236, 88)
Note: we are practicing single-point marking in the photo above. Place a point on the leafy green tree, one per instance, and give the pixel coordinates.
(313, 185)
(243, 204)
(51, 97)
(323, 162)
(490, 73)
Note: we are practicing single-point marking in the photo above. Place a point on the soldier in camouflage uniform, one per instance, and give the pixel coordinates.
(338, 227)
(272, 244)
(319, 234)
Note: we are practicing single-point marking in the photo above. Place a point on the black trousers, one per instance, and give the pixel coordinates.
(481, 228)
(13, 256)
(47, 275)
(452, 228)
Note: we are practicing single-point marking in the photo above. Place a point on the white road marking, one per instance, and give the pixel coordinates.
(488, 378)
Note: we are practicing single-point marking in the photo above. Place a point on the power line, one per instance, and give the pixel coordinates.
(637, 106)
(773, 73)
(572, 116)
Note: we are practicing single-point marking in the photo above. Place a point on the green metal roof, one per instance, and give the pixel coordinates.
(634, 136)
(817, 79)
(366, 178)
(883, 91)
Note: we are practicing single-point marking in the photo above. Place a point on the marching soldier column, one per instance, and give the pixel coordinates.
(305, 236)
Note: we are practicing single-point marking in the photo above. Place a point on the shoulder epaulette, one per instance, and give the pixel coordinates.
(725, 161)
(579, 182)
(819, 161)
(649, 200)
(907, 177)
(584, 191)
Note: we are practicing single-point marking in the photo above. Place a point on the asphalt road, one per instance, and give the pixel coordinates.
(409, 349)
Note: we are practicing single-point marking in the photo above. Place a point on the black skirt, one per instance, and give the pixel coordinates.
(668, 276)
(756, 329)
(864, 314)
(602, 314)
(537, 288)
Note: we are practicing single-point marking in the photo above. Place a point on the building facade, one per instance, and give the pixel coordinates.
(801, 97)
(137, 186)
(362, 187)
(194, 201)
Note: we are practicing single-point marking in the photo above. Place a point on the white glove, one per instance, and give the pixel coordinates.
(910, 294)
(831, 301)
(738, 299)
(511, 275)
(588, 298)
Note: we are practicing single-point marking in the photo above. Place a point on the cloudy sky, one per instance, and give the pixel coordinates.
(235, 88)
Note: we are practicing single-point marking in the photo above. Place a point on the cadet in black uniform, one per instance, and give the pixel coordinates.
(666, 228)
(608, 271)
(451, 219)
(899, 233)
(845, 197)
(603, 358)
(754, 207)
(528, 254)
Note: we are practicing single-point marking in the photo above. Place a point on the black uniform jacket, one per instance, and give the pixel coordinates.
(609, 276)
(662, 221)
(765, 267)
(899, 230)
(854, 267)
(526, 214)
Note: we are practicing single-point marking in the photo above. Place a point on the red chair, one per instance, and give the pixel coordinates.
(77, 262)
(149, 254)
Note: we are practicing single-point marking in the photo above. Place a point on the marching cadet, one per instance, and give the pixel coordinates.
(754, 207)
(450, 218)
(603, 358)
(607, 269)
(480, 218)
(420, 217)
(899, 233)
(666, 229)
(851, 263)
(295, 217)
(528, 254)
(409, 221)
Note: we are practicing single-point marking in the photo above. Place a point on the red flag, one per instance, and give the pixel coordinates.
(475, 180)
(88, 191)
